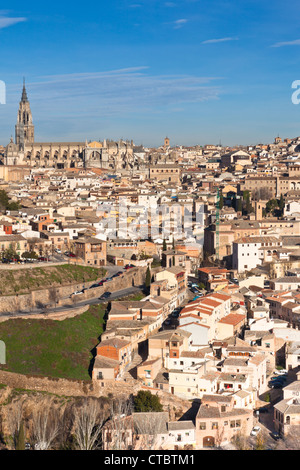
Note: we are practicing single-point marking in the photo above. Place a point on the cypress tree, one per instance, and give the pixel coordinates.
(20, 441)
(148, 278)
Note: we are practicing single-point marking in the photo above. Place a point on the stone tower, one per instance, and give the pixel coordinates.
(24, 127)
(167, 143)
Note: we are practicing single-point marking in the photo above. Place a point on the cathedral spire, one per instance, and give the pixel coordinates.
(24, 128)
(24, 93)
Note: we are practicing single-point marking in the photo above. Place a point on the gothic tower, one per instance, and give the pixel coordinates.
(24, 127)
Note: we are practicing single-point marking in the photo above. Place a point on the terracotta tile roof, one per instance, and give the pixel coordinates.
(195, 324)
(233, 319)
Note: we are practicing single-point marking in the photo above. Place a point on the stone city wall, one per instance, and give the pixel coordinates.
(65, 387)
(63, 295)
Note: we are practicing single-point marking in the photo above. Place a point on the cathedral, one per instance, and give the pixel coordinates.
(108, 155)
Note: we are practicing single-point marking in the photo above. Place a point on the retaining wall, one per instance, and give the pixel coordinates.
(62, 295)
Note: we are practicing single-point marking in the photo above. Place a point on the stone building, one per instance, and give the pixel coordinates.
(25, 152)
(218, 421)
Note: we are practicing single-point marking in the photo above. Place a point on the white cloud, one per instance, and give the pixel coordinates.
(296, 42)
(179, 23)
(215, 41)
(6, 21)
(109, 93)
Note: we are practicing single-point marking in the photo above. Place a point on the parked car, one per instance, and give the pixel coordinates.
(280, 372)
(263, 409)
(255, 431)
(119, 273)
(279, 378)
(104, 296)
(195, 290)
(277, 385)
(42, 258)
(272, 383)
(275, 435)
(128, 266)
(78, 292)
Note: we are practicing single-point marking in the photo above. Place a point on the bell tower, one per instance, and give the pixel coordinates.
(167, 143)
(24, 127)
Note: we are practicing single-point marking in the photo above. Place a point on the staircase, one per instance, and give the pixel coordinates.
(130, 373)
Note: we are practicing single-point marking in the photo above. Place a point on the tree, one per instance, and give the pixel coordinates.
(260, 442)
(148, 278)
(5, 203)
(53, 295)
(10, 253)
(147, 429)
(281, 204)
(247, 202)
(88, 423)
(20, 440)
(15, 420)
(164, 247)
(46, 426)
(239, 205)
(145, 401)
(30, 255)
(241, 442)
(271, 205)
(4, 199)
(221, 201)
(13, 206)
(120, 421)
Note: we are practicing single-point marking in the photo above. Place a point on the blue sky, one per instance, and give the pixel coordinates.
(198, 71)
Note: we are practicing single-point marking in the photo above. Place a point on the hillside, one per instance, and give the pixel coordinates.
(24, 280)
(53, 348)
